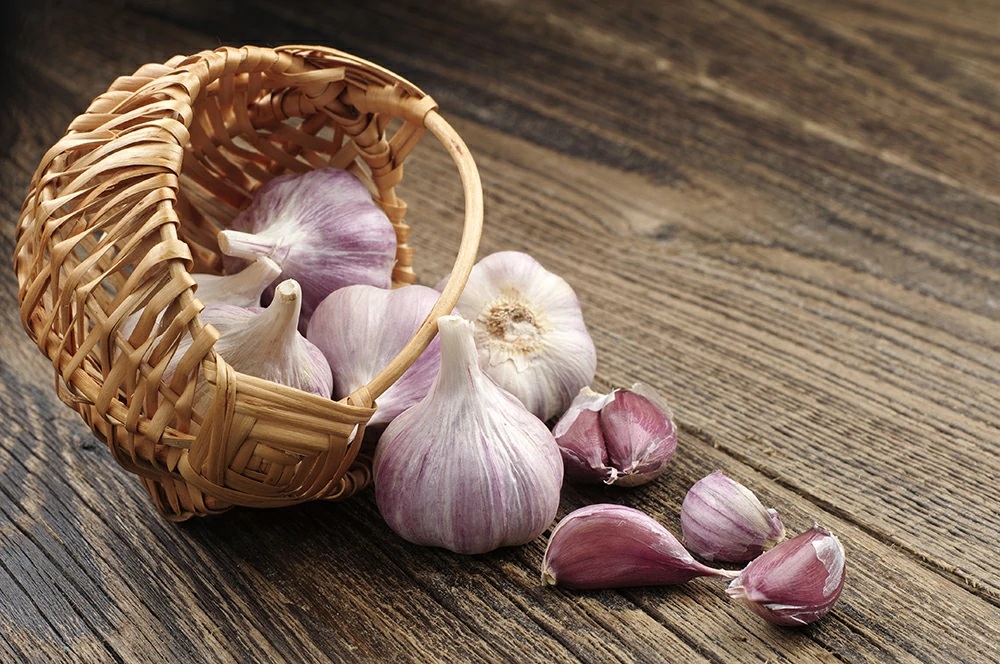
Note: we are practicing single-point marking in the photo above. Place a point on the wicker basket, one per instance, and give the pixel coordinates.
(129, 202)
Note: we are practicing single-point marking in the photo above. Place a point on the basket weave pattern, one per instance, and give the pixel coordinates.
(128, 204)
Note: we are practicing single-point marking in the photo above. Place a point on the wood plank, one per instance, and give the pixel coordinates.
(862, 377)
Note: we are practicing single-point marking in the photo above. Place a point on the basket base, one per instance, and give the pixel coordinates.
(177, 500)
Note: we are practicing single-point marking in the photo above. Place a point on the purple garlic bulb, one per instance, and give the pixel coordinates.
(626, 437)
(723, 520)
(322, 228)
(468, 468)
(795, 583)
(611, 546)
(360, 329)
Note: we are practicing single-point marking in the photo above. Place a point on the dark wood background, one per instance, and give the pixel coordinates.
(784, 214)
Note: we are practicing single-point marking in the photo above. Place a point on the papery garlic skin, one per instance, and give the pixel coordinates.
(612, 546)
(795, 583)
(625, 437)
(241, 289)
(723, 520)
(360, 329)
(321, 227)
(264, 343)
(529, 331)
(468, 468)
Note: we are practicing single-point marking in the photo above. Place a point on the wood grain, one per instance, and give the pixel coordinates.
(782, 214)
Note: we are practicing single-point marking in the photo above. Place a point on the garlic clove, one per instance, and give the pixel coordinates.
(612, 546)
(321, 227)
(622, 437)
(242, 289)
(264, 343)
(723, 520)
(468, 468)
(581, 440)
(641, 440)
(360, 329)
(795, 583)
(529, 331)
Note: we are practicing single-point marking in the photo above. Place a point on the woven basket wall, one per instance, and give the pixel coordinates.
(125, 206)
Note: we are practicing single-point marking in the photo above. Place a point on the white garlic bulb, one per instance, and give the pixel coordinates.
(264, 343)
(529, 331)
(322, 228)
(468, 468)
(360, 329)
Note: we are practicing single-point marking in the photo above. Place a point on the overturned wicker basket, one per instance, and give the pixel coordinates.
(129, 202)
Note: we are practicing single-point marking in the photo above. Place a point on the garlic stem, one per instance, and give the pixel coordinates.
(461, 362)
(280, 320)
(246, 245)
(242, 288)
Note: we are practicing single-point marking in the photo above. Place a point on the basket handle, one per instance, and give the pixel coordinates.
(473, 190)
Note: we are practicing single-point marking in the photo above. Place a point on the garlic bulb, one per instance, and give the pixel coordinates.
(322, 228)
(468, 468)
(242, 289)
(264, 343)
(529, 331)
(795, 583)
(723, 520)
(612, 546)
(360, 329)
(625, 437)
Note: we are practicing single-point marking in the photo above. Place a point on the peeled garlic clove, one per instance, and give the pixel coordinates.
(625, 437)
(243, 288)
(468, 468)
(360, 329)
(265, 343)
(611, 546)
(795, 583)
(529, 331)
(322, 228)
(723, 520)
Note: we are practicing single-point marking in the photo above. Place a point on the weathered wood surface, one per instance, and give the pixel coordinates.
(785, 215)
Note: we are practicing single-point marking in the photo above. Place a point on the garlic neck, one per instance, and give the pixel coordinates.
(459, 358)
(514, 328)
(280, 321)
(248, 246)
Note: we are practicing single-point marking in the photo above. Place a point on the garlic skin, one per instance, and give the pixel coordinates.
(321, 227)
(468, 468)
(243, 288)
(625, 437)
(264, 343)
(723, 520)
(612, 546)
(795, 583)
(360, 329)
(529, 331)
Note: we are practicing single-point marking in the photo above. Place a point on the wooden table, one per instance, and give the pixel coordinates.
(785, 215)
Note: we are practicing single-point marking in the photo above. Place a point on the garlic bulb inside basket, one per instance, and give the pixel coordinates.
(322, 228)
